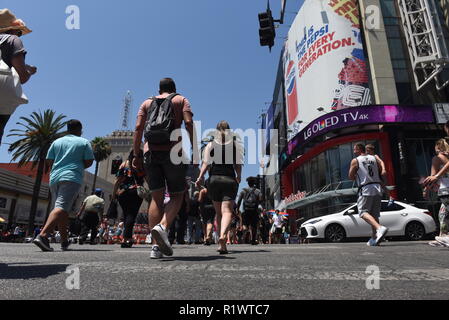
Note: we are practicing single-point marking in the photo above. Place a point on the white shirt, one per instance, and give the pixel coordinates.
(278, 221)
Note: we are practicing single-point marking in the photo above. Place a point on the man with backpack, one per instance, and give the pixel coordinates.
(251, 198)
(157, 120)
(13, 70)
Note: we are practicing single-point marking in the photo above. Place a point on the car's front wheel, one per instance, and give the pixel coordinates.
(335, 233)
(415, 231)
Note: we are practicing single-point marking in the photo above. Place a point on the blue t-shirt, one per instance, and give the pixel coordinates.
(68, 154)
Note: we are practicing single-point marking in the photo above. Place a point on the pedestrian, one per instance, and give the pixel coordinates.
(365, 169)
(125, 190)
(435, 177)
(13, 55)
(194, 225)
(207, 211)
(371, 150)
(67, 157)
(224, 156)
(440, 160)
(159, 117)
(90, 215)
(277, 222)
(37, 230)
(265, 226)
(236, 222)
(178, 228)
(252, 198)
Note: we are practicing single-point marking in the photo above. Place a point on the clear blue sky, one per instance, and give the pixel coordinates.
(211, 49)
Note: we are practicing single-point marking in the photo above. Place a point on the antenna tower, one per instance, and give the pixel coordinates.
(127, 104)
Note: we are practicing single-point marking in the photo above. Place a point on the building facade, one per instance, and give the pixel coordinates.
(121, 142)
(403, 118)
(16, 191)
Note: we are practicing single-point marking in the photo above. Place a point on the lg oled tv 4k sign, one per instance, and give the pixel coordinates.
(324, 62)
(359, 116)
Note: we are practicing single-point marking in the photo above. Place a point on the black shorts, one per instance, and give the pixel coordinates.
(162, 173)
(222, 188)
(250, 218)
(277, 230)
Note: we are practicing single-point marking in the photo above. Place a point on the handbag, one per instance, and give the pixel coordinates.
(142, 192)
(11, 94)
(112, 211)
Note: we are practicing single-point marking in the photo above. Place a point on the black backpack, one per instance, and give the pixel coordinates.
(251, 200)
(160, 121)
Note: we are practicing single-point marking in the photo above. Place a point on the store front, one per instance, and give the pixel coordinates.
(316, 162)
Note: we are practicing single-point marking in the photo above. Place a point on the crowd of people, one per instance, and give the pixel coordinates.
(214, 208)
(212, 215)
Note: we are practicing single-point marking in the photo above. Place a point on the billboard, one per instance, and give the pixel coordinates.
(324, 62)
(361, 116)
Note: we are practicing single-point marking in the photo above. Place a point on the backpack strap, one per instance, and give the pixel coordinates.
(4, 39)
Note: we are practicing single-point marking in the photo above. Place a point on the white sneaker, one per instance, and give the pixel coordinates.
(155, 253)
(381, 233)
(371, 242)
(161, 237)
(443, 240)
(435, 244)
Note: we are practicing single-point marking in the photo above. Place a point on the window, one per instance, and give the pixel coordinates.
(345, 160)
(3, 202)
(388, 8)
(333, 164)
(393, 207)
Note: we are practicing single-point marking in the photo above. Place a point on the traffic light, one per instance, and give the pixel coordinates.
(267, 32)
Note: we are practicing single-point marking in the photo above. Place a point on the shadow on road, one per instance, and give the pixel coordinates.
(249, 251)
(210, 258)
(18, 271)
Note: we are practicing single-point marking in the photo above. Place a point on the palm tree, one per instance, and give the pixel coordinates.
(102, 150)
(35, 138)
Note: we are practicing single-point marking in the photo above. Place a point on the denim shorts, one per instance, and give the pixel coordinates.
(64, 194)
(163, 174)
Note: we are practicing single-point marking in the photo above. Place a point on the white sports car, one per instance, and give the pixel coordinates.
(401, 219)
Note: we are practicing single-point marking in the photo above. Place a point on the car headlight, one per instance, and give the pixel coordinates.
(314, 221)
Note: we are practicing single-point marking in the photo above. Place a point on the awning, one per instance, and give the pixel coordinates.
(281, 206)
(320, 197)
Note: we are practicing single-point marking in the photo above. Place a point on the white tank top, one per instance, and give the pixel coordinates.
(368, 176)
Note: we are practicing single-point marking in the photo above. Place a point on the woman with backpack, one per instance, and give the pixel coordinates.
(125, 189)
(223, 157)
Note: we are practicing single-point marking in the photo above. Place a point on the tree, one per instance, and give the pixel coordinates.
(35, 138)
(102, 150)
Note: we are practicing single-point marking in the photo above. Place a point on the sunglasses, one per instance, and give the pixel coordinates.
(19, 33)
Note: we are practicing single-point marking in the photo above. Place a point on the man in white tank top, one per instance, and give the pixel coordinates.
(365, 170)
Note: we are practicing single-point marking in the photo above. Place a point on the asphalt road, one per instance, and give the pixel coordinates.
(407, 270)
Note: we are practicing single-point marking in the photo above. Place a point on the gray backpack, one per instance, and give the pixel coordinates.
(160, 121)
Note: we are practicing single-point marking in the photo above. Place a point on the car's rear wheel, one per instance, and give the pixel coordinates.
(335, 233)
(415, 231)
